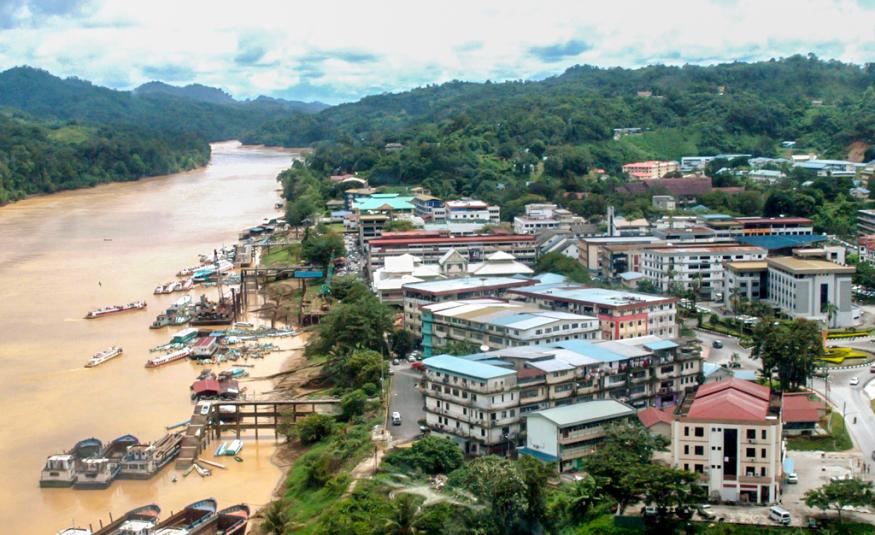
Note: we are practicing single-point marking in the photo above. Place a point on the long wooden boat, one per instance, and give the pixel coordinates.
(198, 518)
(233, 520)
(139, 521)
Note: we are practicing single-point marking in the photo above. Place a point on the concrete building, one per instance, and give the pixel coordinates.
(865, 222)
(657, 421)
(425, 205)
(384, 203)
(650, 169)
(745, 281)
(398, 271)
(431, 249)
(480, 400)
(621, 314)
(697, 267)
(470, 210)
(418, 294)
(566, 434)
(729, 432)
(498, 324)
(591, 248)
(558, 241)
(664, 202)
(809, 288)
(543, 217)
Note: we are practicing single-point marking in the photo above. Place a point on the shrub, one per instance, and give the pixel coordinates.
(314, 428)
(432, 455)
(370, 389)
(353, 404)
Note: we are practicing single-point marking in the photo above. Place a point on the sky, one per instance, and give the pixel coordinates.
(338, 51)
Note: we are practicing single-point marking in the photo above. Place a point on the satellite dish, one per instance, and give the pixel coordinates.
(484, 348)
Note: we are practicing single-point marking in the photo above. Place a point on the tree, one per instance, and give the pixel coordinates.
(535, 474)
(275, 519)
(668, 487)
(397, 225)
(498, 483)
(431, 455)
(318, 248)
(574, 501)
(313, 428)
(791, 348)
(402, 342)
(352, 404)
(404, 516)
(360, 367)
(839, 494)
(353, 324)
(457, 348)
(559, 263)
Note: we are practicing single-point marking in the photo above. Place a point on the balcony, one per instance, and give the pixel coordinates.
(583, 434)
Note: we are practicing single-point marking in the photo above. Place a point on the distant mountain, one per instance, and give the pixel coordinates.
(198, 109)
(293, 105)
(198, 92)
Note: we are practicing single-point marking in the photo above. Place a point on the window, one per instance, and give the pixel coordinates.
(686, 431)
(751, 434)
(699, 469)
(686, 449)
(763, 434)
(699, 431)
(751, 452)
(763, 453)
(700, 450)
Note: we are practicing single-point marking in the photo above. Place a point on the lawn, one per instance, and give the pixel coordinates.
(839, 441)
(283, 256)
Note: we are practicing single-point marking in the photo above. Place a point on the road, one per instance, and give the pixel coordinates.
(407, 400)
(841, 394)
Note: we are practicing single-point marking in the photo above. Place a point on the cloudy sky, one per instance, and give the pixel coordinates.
(337, 51)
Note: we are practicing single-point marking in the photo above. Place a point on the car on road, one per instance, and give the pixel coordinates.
(396, 418)
(395, 362)
(411, 359)
(717, 344)
(792, 478)
(705, 512)
(854, 381)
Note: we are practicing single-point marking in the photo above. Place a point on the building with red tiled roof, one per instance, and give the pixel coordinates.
(658, 421)
(800, 412)
(729, 432)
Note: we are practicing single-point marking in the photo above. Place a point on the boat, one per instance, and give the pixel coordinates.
(158, 290)
(143, 461)
(231, 449)
(75, 531)
(168, 357)
(194, 519)
(175, 286)
(233, 520)
(182, 302)
(243, 325)
(139, 521)
(221, 449)
(60, 470)
(201, 471)
(99, 472)
(103, 356)
(162, 320)
(188, 284)
(114, 309)
(238, 458)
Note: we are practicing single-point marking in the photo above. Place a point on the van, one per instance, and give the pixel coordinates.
(396, 418)
(779, 515)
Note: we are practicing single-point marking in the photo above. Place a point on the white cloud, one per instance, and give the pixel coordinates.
(334, 50)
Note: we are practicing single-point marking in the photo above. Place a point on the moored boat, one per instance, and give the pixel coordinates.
(139, 521)
(61, 470)
(196, 518)
(99, 472)
(103, 356)
(143, 461)
(233, 520)
(106, 311)
(168, 357)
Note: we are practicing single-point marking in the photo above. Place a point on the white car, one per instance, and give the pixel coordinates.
(854, 381)
(792, 478)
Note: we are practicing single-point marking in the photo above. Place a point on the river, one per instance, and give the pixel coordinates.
(64, 254)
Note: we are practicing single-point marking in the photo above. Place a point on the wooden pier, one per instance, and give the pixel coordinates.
(254, 415)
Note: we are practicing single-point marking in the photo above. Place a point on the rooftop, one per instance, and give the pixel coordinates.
(756, 265)
(599, 296)
(801, 407)
(807, 266)
(705, 249)
(588, 411)
(781, 242)
(455, 240)
(466, 283)
(501, 313)
(383, 201)
(652, 416)
(731, 400)
(467, 368)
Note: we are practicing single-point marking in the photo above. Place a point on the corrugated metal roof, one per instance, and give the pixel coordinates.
(588, 411)
(781, 242)
(468, 368)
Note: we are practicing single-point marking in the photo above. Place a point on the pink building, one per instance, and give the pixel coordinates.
(650, 169)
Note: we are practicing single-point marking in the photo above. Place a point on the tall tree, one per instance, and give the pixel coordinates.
(840, 494)
(790, 347)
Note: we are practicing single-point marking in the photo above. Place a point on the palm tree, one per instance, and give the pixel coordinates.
(275, 519)
(404, 517)
(831, 312)
(581, 497)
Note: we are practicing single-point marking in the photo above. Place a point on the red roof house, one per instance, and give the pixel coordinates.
(731, 400)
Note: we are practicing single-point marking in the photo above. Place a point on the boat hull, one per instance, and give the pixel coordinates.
(56, 484)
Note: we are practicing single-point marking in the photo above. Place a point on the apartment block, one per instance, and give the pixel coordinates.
(729, 432)
(865, 222)
(494, 323)
(566, 434)
(812, 288)
(695, 267)
(431, 249)
(650, 169)
(621, 314)
(481, 400)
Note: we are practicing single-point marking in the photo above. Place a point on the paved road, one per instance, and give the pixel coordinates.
(405, 399)
(723, 355)
(855, 403)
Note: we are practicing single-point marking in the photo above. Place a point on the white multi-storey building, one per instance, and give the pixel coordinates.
(695, 267)
(812, 288)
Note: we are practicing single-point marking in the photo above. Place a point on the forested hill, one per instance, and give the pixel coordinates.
(42, 157)
(68, 133)
(722, 108)
(161, 107)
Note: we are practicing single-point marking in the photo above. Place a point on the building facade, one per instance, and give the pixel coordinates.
(650, 169)
(813, 289)
(496, 324)
(621, 314)
(431, 249)
(480, 400)
(729, 432)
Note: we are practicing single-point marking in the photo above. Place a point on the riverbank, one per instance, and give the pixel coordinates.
(70, 252)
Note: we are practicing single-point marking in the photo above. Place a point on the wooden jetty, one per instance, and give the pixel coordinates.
(246, 415)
